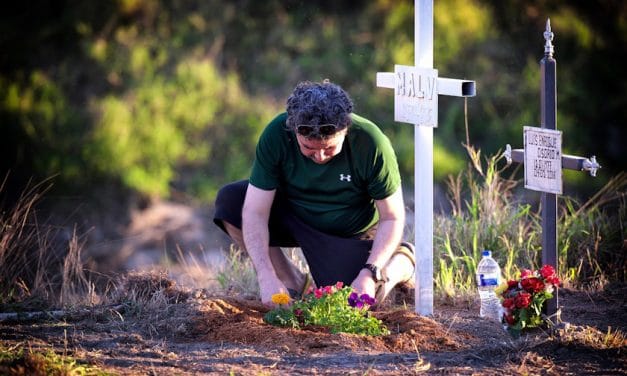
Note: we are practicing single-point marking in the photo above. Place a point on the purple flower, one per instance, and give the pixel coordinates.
(353, 300)
(358, 301)
(366, 299)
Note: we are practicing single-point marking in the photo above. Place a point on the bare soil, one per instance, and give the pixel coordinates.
(177, 333)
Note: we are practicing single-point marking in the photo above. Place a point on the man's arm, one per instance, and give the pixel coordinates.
(255, 216)
(386, 240)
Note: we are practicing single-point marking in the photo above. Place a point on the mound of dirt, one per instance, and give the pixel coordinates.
(195, 334)
(237, 320)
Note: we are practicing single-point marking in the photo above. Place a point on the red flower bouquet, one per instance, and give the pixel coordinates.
(523, 299)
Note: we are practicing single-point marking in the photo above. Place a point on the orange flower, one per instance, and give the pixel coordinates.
(280, 298)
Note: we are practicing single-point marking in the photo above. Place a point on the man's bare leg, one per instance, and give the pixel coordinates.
(287, 272)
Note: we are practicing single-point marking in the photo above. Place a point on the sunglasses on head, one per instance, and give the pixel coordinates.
(314, 130)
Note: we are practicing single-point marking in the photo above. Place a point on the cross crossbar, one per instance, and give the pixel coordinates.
(446, 86)
(569, 162)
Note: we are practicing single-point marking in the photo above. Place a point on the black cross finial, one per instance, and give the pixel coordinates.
(548, 37)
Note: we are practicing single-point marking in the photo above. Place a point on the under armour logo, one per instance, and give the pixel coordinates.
(345, 177)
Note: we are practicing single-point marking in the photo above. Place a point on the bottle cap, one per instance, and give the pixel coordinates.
(486, 253)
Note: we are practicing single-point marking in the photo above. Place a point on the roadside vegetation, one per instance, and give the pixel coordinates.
(485, 213)
(38, 276)
(37, 273)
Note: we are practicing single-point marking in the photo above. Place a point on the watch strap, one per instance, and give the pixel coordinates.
(377, 275)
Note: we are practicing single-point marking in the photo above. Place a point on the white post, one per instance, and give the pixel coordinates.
(413, 105)
(423, 168)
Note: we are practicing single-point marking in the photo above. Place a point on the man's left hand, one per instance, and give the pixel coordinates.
(364, 283)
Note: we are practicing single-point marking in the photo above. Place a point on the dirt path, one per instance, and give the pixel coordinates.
(223, 335)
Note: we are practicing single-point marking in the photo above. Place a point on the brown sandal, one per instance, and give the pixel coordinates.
(309, 283)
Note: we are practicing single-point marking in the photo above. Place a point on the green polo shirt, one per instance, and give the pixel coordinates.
(337, 197)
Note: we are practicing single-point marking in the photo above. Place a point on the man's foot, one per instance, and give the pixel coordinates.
(309, 283)
(399, 274)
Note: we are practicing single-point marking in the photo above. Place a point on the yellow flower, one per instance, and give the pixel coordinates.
(500, 289)
(280, 298)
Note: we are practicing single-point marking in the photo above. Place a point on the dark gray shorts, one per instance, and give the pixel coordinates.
(330, 258)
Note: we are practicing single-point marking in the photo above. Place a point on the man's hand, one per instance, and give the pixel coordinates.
(255, 215)
(364, 283)
(269, 287)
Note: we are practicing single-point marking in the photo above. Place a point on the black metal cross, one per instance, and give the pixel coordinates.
(548, 201)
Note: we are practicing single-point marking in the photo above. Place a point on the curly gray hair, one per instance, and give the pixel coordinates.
(318, 103)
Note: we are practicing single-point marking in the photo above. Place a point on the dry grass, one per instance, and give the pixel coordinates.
(592, 337)
(40, 264)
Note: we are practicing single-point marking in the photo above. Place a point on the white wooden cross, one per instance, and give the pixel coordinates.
(416, 91)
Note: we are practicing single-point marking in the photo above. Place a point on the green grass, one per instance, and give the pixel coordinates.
(18, 360)
(486, 215)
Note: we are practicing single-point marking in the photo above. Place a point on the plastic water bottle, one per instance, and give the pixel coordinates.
(488, 278)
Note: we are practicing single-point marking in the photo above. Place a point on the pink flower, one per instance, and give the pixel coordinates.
(318, 293)
(525, 273)
(328, 290)
(549, 288)
(339, 285)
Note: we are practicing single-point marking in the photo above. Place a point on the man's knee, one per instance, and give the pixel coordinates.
(228, 205)
(232, 193)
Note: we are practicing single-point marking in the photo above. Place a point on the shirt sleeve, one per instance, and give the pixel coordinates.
(266, 168)
(379, 163)
(384, 178)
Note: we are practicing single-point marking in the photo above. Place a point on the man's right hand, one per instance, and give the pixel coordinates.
(269, 287)
(255, 216)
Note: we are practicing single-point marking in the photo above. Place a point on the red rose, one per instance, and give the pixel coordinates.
(532, 284)
(553, 280)
(509, 319)
(522, 300)
(508, 303)
(547, 272)
(512, 285)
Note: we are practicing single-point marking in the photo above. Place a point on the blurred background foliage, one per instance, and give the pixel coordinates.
(168, 98)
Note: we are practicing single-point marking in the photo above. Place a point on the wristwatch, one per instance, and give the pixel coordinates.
(376, 272)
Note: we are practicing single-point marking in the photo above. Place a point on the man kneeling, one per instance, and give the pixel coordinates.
(326, 180)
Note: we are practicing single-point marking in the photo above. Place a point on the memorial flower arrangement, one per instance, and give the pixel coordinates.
(523, 299)
(337, 308)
